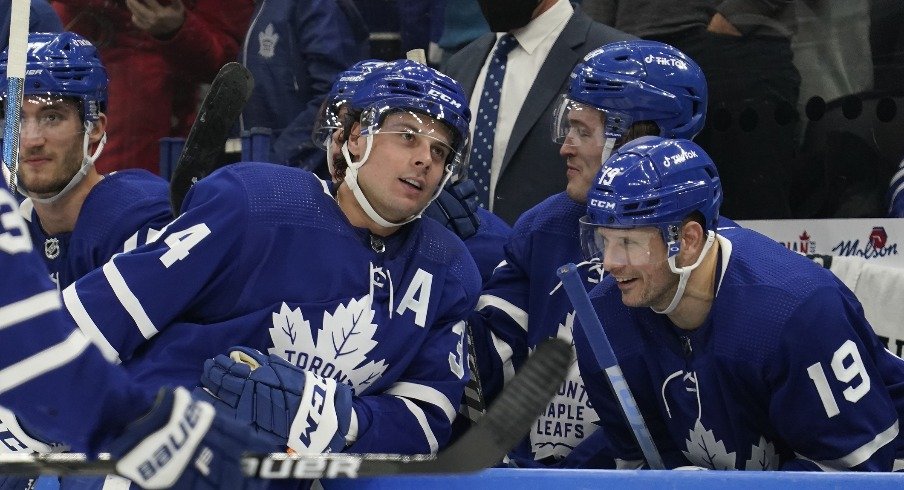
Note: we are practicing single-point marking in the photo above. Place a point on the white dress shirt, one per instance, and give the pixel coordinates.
(535, 40)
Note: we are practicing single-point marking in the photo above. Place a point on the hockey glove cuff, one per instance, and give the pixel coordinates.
(181, 443)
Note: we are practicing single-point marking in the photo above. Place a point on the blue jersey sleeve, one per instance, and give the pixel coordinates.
(499, 323)
(45, 377)
(487, 245)
(830, 402)
(134, 295)
(414, 415)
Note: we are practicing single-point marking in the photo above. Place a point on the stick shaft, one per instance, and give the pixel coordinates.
(606, 360)
(15, 74)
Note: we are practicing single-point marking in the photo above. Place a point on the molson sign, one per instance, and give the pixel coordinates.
(872, 239)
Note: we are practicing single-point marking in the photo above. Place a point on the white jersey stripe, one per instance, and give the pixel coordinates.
(517, 314)
(425, 394)
(87, 325)
(131, 242)
(859, 455)
(47, 360)
(128, 300)
(28, 308)
(422, 421)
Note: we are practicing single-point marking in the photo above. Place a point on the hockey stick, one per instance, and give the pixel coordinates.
(221, 107)
(474, 404)
(605, 358)
(15, 76)
(484, 445)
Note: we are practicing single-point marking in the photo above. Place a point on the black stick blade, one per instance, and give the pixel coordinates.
(508, 420)
(222, 105)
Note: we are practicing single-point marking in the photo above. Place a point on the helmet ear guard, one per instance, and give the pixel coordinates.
(329, 117)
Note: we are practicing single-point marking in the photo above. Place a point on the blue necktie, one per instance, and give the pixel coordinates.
(485, 126)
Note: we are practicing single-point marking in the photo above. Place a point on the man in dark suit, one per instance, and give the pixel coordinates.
(526, 165)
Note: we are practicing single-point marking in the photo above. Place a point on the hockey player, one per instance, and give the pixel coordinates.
(620, 91)
(58, 382)
(77, 217)
(483, 232)
(344, 282)
(740, 353)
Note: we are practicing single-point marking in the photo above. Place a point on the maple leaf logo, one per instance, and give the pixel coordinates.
(343, 342)
(566, 329)
(289, 323)
(267, 39)
(762, 457)
(351, 330)
(705, 451)
(804, 237)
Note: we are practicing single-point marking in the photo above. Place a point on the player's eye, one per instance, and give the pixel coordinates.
(440, 152)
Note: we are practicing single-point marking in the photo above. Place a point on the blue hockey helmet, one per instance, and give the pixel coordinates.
(328, 119)
(656, 182)
(64, 64)
(413, 86)
(643, 80)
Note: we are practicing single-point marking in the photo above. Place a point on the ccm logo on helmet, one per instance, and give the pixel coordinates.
(444, 97)
(597, 203)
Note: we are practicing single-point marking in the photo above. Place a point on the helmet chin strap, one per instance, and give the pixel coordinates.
(684, 273)
(608, 146)
(87, 162)
(351, 178)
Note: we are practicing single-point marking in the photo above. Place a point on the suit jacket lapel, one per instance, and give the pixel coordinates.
(557, 67)
(468, 78)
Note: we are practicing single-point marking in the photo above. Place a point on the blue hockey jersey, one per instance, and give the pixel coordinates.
(523, 305)
(121, 212)
(263, 256)
(785, 372)
(486, 246)
(42, 377)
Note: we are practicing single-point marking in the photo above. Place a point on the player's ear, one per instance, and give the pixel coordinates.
(97, 129)
(355, 140)
(692, 239)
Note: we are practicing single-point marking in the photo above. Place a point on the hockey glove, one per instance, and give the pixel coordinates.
(16, 439)
(181, 443)
(286, 405)
(456, 208)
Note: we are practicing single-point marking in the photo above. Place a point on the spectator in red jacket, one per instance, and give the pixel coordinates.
(157, 54)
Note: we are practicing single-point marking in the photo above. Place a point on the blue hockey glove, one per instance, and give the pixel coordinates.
(181, 443)
(286, 405)
(456, 208)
